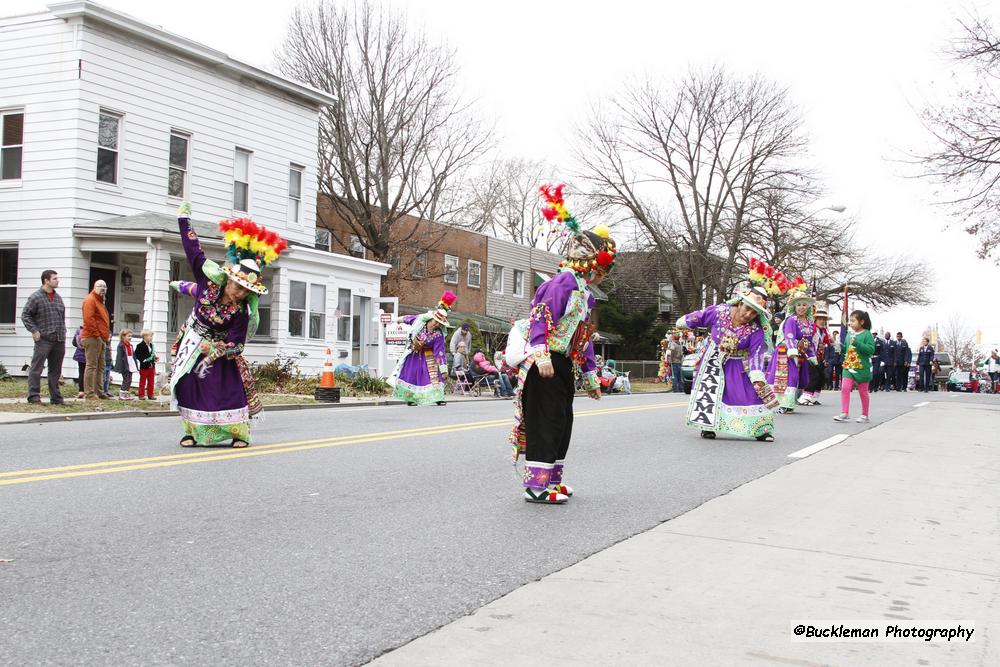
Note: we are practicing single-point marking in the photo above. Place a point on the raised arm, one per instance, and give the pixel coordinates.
(699, 319)
(192, 247)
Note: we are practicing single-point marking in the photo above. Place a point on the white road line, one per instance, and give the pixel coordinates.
(822, 444)
(920, 405)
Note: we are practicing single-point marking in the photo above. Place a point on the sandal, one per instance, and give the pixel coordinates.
(240, 444)
(708, 435)
(188, 441)
(767, 437)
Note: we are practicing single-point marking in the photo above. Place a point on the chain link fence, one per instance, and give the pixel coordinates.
(639, 370)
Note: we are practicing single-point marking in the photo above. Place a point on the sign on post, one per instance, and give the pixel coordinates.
(395, 340)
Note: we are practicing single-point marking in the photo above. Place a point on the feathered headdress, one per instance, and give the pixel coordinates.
(774, 282)
(445, 303)
(245, 239)
(585, 251)
(249, 248)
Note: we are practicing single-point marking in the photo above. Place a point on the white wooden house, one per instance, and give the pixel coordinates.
(107, 124)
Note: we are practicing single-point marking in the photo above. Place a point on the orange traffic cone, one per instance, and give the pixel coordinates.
(327, 379)
(327, 390)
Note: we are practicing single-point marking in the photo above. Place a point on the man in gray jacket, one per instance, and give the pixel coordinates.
(461, 335)
(675, 351)
(44, 315)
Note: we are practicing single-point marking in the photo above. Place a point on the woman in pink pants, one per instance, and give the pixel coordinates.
(858, 346)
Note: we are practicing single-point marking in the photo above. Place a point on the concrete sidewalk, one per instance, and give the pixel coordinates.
(898, 524)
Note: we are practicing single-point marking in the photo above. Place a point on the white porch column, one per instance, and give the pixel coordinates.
(154, 311)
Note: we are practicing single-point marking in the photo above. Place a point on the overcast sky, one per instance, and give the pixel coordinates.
(858, 70)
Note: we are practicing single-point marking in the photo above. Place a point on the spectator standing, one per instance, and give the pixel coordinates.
(80, 358)
(903, 359)
(44, 316)
(125, 363)
(925, 360)
(888, 377)
(876, 382)
(676, 351)
(993, 368)
(461, 335)
(145, 355)
(96, 336)
(108, 365)
(836, 361)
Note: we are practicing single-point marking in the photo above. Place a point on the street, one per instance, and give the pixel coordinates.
(342, 533)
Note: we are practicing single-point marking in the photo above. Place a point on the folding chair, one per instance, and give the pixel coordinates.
(462, 384)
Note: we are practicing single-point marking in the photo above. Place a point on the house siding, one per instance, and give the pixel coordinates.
(63, 73)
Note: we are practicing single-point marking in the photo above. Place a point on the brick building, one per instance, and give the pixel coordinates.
(425, 262)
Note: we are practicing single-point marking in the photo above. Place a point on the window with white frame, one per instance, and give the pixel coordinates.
(306, 304)
(295, 193)
(317, 312)
(8, 285)
(241, 180)
(496, 278)
(475, 273)
(296, 308)
(177, 177)
(322, 239)
(420, 264)
(264, 329)
(518, 282)
(12, 149)
(357, 248)
(109, 128)
(451, 269)
(343, 315)
(666, 297)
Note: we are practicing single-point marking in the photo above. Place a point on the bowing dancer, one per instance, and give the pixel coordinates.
(547, 346)
(729, 394)
(210, 382)
(821, 342)
(420, 376)
(787, 372)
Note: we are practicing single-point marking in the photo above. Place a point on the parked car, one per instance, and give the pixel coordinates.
(963, 381)
(687, 370)
(944, 360)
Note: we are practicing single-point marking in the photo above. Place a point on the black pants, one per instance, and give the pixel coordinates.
(815, 378)
(547, 408)
(901, 377)
(49, 352)
(888, 377)
(926, 378)
(876, 382)
(79, 380)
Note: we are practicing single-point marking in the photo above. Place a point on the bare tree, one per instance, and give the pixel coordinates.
(709, 145)
(506, 203)
(822, 249)
(399, 138)
(965, 160)
(958, 340)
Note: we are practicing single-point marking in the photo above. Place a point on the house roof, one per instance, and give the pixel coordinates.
(217, 59)
(161, 225)
(484, 322)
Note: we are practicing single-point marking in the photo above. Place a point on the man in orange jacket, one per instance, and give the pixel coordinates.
(95, 336)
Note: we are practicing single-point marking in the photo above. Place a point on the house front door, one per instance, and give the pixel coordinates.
(108, 276)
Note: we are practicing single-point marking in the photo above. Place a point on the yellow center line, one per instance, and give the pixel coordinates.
(125, 465)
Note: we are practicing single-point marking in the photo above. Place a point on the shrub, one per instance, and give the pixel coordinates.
(4, 375)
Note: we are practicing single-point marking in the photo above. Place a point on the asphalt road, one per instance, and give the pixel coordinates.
(341, 534)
